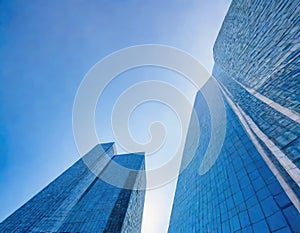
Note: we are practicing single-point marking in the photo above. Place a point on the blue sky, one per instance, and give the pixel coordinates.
(46, 48)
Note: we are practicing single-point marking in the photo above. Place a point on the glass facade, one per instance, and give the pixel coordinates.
(239, 193)
(78, 201)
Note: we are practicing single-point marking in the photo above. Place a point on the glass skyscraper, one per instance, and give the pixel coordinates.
(254, 184)
(78, 201)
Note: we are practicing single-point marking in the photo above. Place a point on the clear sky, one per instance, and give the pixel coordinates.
(46, 48)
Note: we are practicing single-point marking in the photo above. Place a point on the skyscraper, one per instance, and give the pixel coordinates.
(78, 201)
(254, 184)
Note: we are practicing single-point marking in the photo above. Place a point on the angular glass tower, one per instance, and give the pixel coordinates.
(78, 201)
(254, 184)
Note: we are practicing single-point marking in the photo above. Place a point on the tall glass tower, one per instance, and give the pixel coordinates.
(254, 184)
(78, 201)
